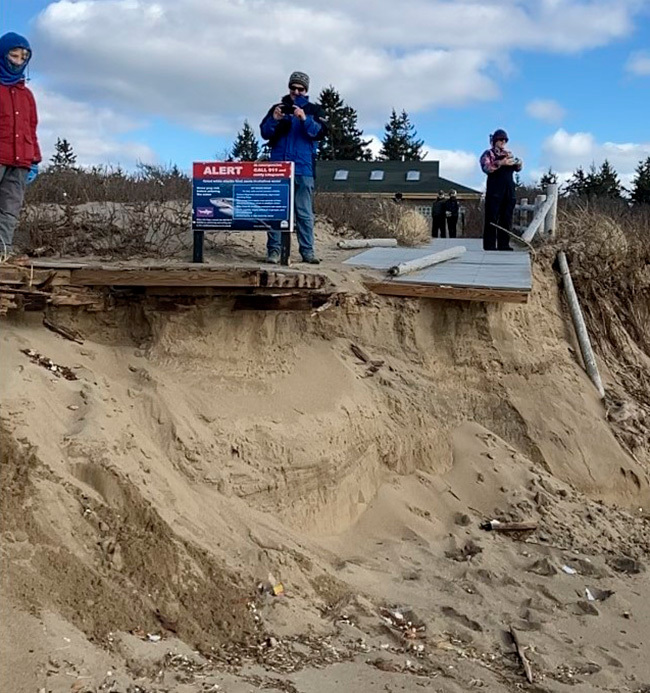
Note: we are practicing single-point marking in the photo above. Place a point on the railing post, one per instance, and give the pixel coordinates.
(550, 222)
(523, 212)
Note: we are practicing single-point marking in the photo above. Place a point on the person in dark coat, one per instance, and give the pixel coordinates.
(499, 165)
(438, 227)
(451, 213)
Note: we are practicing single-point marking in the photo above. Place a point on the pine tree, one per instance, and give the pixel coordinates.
(599, 182)
(548, 178)
(400, 142)
(641, 183)
(246, 147)
(606, 182)
(582, 184)
(344, 139)
(64, 157)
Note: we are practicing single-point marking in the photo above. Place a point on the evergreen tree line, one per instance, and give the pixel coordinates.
(603, 182)
(344, 140)
(400, 143)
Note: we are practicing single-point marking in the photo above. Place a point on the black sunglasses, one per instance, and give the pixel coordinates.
(295, 87)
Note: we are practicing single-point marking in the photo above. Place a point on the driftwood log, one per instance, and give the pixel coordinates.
(522, 655)
(427, 261)
(353, 243)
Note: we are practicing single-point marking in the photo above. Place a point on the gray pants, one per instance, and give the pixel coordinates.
(13, 181)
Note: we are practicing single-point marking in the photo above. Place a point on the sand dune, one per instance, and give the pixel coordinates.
(200, 451)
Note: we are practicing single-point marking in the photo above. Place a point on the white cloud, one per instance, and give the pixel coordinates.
(638, 64)
(95, 133)
(208, 64)
(457, 165)
(564, 152)
(547, 110)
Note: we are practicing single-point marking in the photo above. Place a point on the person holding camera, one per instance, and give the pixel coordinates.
(293, 128)
(499, 165)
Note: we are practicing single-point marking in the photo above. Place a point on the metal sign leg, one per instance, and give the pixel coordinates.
(197, 253)
(285, 248)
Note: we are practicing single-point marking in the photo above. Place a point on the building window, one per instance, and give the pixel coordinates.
(341, 174)
(376, 175)
(424, 211)
(412, 175)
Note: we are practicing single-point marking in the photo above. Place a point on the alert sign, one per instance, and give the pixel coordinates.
(242, 196)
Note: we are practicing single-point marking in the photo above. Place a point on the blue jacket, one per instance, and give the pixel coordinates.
(292, 139)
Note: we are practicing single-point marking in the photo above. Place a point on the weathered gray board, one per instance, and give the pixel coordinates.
(477, 268)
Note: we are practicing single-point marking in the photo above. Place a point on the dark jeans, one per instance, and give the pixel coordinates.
(438, 227)
(498, 210)
(12, 192)
(304, 210)
(451, 226)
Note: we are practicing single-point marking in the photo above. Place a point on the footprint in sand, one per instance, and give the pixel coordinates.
(450, 612)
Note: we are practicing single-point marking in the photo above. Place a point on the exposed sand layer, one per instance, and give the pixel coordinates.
(200, 451)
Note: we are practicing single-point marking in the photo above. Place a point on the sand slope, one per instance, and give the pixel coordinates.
(199, 451)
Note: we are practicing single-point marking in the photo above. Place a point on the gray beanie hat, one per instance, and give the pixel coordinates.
(300, 78)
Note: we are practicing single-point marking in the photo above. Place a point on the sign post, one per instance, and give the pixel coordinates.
(242, 196)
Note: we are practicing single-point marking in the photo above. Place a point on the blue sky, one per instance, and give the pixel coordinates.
(169, 81)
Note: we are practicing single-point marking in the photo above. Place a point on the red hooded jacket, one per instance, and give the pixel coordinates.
(18, 120)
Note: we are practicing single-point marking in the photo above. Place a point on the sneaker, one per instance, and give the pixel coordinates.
(273, 258)
(311, 259)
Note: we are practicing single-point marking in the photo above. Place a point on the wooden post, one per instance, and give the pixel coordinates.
(523, 212)
(538, 220)
(427, 261)
(550, 222)
(579, 325)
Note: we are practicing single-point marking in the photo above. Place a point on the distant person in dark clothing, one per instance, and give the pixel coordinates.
(398, 198)
(451, 213)
(499, 165)
(438, 226)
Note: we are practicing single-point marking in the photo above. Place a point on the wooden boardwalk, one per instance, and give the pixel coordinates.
(95, 286)
(477, 275)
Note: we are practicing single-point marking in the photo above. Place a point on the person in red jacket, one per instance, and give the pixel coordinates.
(19, 150)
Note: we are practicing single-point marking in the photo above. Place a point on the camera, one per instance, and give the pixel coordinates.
(287, 105)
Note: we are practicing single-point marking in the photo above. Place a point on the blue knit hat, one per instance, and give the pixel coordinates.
(10, 73)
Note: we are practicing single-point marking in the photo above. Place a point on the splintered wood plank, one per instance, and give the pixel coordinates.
(459, 293)
(194, 276)
(27, 275)
(292, 280)
(104, 276)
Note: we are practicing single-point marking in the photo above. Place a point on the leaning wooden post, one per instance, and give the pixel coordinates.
(579, 325)
(550, 222)
(427, 261)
